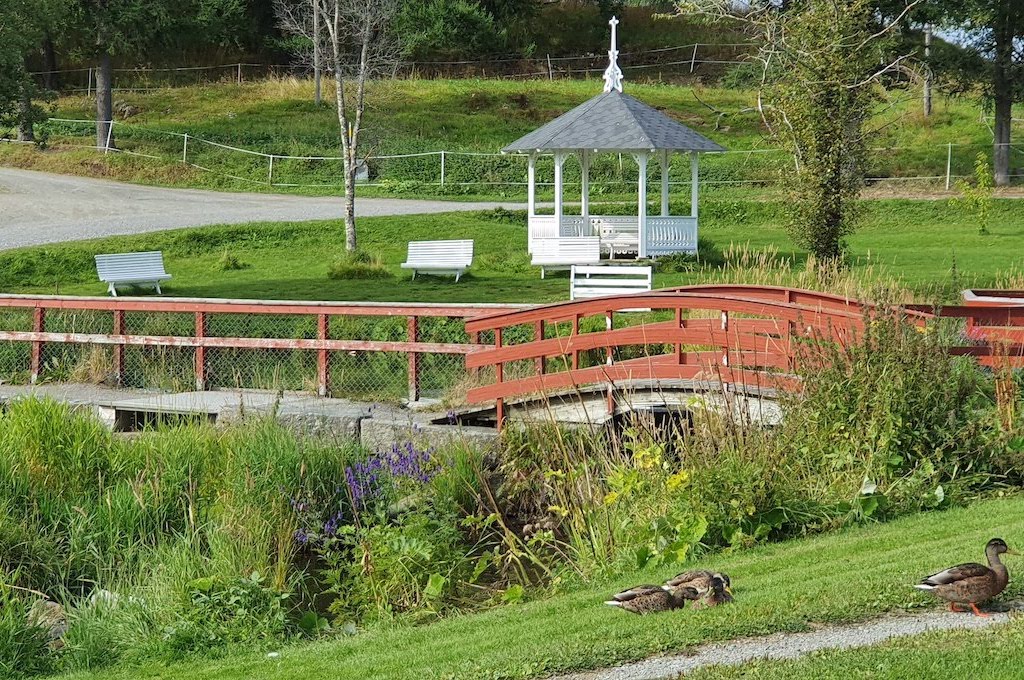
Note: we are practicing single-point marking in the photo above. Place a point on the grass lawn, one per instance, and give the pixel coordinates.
(846, 576)
(917, 242)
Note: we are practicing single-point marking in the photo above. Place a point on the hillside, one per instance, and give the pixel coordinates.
(477, 116)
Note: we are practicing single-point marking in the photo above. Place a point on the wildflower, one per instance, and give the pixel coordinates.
(301, 537)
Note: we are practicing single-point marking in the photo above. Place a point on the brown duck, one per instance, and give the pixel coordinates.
(646, 599)
(719, 592)
(700, 580)
(971, 583)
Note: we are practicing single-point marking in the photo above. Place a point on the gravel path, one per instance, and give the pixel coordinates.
(38, 207)
(791, 645)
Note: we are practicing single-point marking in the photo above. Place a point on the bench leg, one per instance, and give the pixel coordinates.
(111, 289)
(458, 275)
(413, 274)
(542, 273)
(158, 291)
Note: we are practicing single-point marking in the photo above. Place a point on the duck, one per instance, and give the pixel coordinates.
(971, 583)
(646, 599)
(718, 593)
(700, 580)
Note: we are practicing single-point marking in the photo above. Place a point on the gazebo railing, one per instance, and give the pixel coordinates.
(620, 233)
(666, 235)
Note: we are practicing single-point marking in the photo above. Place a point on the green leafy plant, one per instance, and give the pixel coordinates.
(976, 199)
(358, 265)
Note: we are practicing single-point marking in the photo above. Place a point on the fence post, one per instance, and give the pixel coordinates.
(110, 134)
(414, 361)
(499, 376)
(323, 366)
(551, 73)
(119, 348)
(270, 172)
(38, 326)
(184, 150)
(200, 351)
(949, 163)
(239, 74)
(693, 59)
(442, 168)
(88, 84)
(538, 335)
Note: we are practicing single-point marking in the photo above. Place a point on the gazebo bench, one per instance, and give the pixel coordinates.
(564, 252)
(131, 269)
(589, 282)
(439, 257)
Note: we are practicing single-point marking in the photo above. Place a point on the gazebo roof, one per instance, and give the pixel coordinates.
(613, 121)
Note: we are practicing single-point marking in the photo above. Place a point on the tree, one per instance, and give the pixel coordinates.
(23, 27)
(993, 32)
(361, 44)
(819, 61)
(128, 28)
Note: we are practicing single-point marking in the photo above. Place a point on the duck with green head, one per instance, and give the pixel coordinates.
(971, 583)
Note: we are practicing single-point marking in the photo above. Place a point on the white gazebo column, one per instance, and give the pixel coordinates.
(694, 172)
(641, 211)
(559, 162)
(531, 198)
(664, 183)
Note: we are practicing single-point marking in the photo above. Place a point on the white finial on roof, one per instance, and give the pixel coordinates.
(613, 74)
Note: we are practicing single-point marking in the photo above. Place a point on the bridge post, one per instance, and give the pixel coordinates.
(609, 323)
(414, 361)
(575, 332)
(119, 348)
(323, 366)
(499, 376)
(200, 351)
(538, 335)
(38, 326)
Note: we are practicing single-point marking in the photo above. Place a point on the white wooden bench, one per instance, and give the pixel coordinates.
(587, 282)
(562, 253)
(132, 269)
(439, 257)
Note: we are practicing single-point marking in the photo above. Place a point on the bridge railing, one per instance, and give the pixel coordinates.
(732, 335)
(366, 350)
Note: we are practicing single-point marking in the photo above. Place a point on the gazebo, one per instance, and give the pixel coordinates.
(616, 123)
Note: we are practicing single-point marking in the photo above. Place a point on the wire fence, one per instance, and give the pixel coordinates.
(366, 351)
(666, 62)
(459, 172)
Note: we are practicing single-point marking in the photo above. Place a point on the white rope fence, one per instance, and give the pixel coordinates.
(945, 155)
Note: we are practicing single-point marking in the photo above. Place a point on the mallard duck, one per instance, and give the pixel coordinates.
(719, 592)
(700, 580)
(649, 598)
(971, 583)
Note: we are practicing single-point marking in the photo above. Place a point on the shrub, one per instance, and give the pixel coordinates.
(230, 262)
(358, 265)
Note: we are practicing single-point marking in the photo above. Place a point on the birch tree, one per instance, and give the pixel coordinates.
(359, 44)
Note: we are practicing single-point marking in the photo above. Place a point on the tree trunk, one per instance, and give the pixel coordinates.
(25, 131)
(104, 103)
(351, 166)
(1002, 92)
(51, 79)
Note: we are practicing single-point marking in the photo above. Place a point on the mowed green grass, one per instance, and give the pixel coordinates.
(846, 576)
(919, 243)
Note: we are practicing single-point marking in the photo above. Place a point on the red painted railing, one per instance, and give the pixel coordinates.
(204, 310)
(751, 338)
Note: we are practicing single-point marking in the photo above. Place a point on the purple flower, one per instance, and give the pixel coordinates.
(301, 536)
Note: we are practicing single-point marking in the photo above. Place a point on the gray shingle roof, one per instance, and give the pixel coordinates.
(613, 121)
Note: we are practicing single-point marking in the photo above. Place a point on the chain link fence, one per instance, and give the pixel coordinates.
(382, 354)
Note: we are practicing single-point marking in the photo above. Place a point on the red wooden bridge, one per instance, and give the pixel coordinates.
(743, 338)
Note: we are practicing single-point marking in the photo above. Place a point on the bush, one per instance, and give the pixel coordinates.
(358, 265)
(708, 255)
(229, 262)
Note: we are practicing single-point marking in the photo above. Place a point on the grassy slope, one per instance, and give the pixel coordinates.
(471, 115)
(845, 576)
(918, 240)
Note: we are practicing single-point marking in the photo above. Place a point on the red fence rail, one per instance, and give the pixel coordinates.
(730, 334)
(202, 312)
